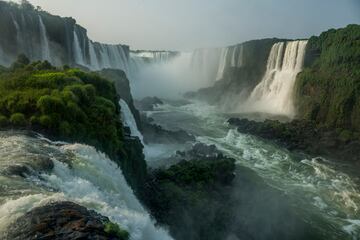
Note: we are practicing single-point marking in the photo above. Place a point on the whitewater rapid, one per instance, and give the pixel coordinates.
(80, 174)
(325, 193)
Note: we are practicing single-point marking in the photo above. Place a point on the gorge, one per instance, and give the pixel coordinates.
(257, 140)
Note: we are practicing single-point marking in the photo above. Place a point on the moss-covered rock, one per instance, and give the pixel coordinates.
(64, 220)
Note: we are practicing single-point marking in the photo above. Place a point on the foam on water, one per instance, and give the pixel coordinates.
(93, 181)
(317, 187)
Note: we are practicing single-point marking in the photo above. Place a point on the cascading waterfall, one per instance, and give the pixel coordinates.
(45, 46)
(78, 53)
(275, 91)
(177, 73)
(156, 56)
(222, 63)
(18, 32)
(93, 57)
(204, 64)
(230, 57)
(129, 120)
(80, 174)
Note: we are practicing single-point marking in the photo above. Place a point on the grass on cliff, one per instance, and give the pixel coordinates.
(66, 103)
(328, 90)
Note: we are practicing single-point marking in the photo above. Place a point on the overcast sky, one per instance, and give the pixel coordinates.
(189, 24)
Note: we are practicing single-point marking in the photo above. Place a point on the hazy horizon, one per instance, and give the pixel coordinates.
(187, 24)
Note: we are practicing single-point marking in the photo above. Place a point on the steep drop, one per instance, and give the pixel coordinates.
(274, 94)
(74, 172)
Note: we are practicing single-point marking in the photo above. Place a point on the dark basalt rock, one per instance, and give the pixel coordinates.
(200, 150)
(122, 85)
(37, 163)
(148, 103)
(154, 133)
(60, 221)
(304, 136)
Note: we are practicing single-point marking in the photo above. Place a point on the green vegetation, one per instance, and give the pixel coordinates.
(328, 90)
(190, 197)
(114, 230)
(69, 104)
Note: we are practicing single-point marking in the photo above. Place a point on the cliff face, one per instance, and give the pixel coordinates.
(328, 90)
(241, 69)
(122, 86)
(42, 36)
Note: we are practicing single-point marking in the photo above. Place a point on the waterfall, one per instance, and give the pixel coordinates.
(275, 91)
(156, 56)
(78, 54)
(45, 47)
(222, 63)
(18, 32)
(240, 57)
(129, 120)
(94, 62)
(81, 174)
(204, 64)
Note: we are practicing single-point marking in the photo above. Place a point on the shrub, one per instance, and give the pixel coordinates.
(73, 104)
(18, 119)
(114, 229)
(3, 121)
(49, 104)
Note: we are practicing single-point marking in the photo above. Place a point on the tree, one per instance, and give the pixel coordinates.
(27, 5)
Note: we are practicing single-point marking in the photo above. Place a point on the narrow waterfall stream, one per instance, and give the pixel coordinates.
(78, 54)
(45, 47)
(129, 120)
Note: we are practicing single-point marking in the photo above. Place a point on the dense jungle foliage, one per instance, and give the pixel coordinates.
(190, 195)
(66, 103)
(328, 90)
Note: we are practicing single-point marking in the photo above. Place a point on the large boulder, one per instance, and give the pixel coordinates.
(63, 220)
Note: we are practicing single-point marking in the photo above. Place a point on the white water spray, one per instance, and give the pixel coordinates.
(274, 94)
(81, 175)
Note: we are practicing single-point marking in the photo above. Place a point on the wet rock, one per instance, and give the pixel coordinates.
(35, 163)
(61, 220)
(154, 133)
(305, 136)
(148, 103)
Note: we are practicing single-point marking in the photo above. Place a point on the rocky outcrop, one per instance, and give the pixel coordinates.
(148, 103)
(122, 85)
(63, 220)
(154, 133)
(304, 136)
(133, 164)
(207, 196)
